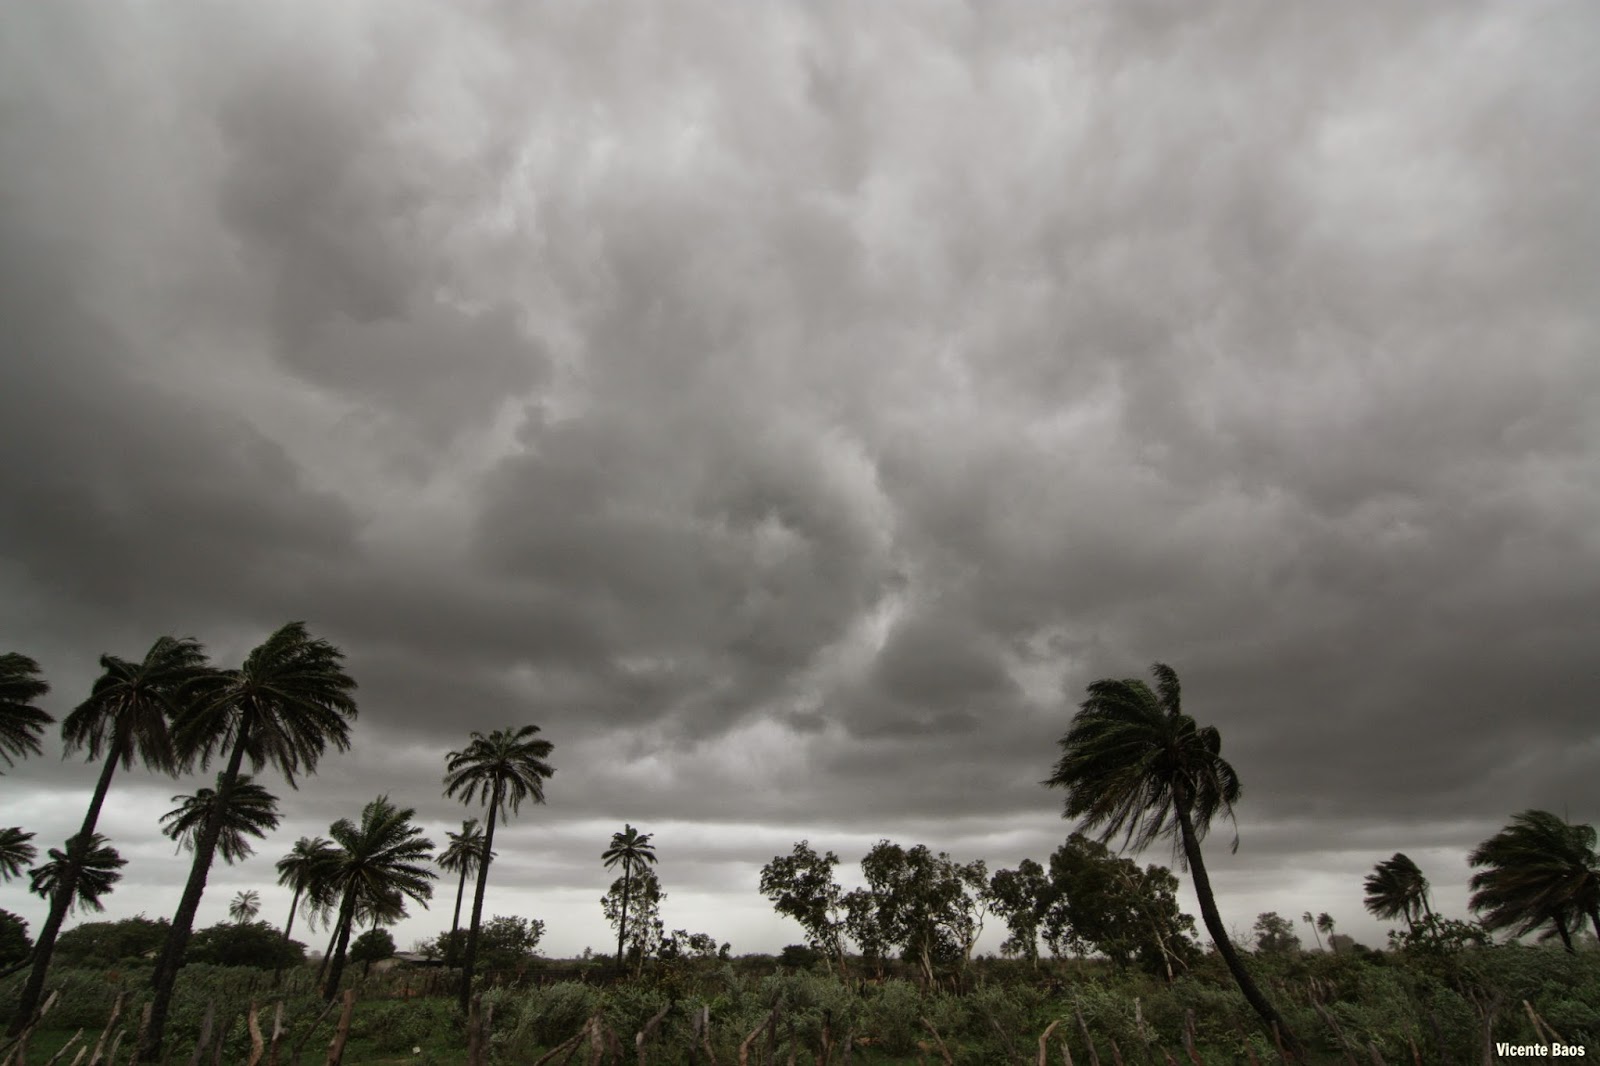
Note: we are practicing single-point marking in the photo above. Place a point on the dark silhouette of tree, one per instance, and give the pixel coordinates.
(21, 723)
(461, 856)
(308, 870)
(500, 770)
(1325, 923)
(1397, 889)
(90, 871)
(1133, 763)
(801, 885)
(251, 811)
(633, 851)
(17, 852)
(1538, 870)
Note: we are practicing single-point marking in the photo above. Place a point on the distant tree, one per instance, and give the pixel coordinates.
(645, 930)
(509, 943)
(245, 906)
(1397, 889)
(1339, 943)
(1100, 901)
(308, 870)
(799, 957)
(374, 945)
(21, 723)
(16, 852)
(15, 944)
(91, 871)
(1275, 934)
(259, 945)
(251, 811)
(1539, 870)
(1325, 923)
(927, 904)
(461, 855)
(1312, 922)
(1021, 897)
(633, 851)
(104, 944)
(801, 886)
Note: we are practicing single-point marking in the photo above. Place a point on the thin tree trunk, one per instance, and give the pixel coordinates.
(165, 977)
(61, 899)
(1566, 937)
(294, 905)
(455, 920)
(464, 998)
(327, 955)
(1594, 917)
(347, 915)
(622, 926)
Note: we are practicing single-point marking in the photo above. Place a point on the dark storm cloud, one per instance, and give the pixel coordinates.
(793, 410)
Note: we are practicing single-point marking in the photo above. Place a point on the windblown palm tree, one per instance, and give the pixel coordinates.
(500, 770)
(16, 852)
(245, 906)
(282, 707)
(631, 850)
(1133, 763)
(308, 871)
(1397, 889)
(1325, 923)
(251, 811)
(379, 862)
(1538, 870)
(21, 723)
(461, 856)
(125, 719)
(91, 872)
(1312, 922)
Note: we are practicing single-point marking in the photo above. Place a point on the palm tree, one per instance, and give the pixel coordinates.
(631, 850)
(461, 856)
(90, 872)
(245, 906)
(1396, 888)
(16, 853)
(1538, 869)
(124, 719)
(282, 707)
(500, 771)
(308, 870)
(251, 811)
(1133, 763)
(1312, 922)
(379, 862)
(21, 723)
(1325, 923)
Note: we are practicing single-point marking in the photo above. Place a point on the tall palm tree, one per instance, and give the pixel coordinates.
(499, 770)
(461, 856)
(125, 719)
(1312, 922)
(631, 850)
(282, 707)
(1397, 889)
(308, 870)
(90, 871)
(1539, 869)
(16, 852)
(1133, 763)
(245, 906)
(251, 811)
(379, 861)
(1325, 923)
(21, 723)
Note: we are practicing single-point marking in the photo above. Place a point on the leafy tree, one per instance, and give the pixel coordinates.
(91, 871)
(862, 922)
(308, 870)
(283, 707)
(125, 719)
(682, 944)
(1434, 935)
(645, 930)
(1396, 888)
(259, 945)
(379, 861)
(17, 853)
(101, 944)
(245, 906)
(1099, 901)
(21, 723)
(633, 851)
(500, 770)
(928, 905)
(799, 957)
(1021, 897)
(15, 944)
(509, 943)
(251, 811)
(1133, 763)
(1275, 934)
(461, 856)
(1539, 870)
(374, 945)
(801, 886)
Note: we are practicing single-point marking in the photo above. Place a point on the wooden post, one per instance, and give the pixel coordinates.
(258, 1043)
(650, 1027)
(1088, 1041)
(744, 1047)
(206, 1024)
(1044, 1038)
(100, 1045)
(342, 1032)
(938, 1040)
(53, 1058)
(277, 1034)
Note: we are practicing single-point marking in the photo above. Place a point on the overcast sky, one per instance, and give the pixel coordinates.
(791, 408)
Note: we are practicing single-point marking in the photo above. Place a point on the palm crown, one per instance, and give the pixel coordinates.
(1396, 888)
(93, 871)
(21, 723)
(1539, 869)
(307, 870)
(16, 852)
(502, 769)
(633, 851)
(245, 906)
(251, 811)
(128, 710)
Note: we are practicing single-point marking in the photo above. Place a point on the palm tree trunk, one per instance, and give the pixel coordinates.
(61, 900)
(347, 915)
(327, 955)
(165, 977)
(294, 905)
(622, 926)
(1561, 931)
(455, 920)
(1219, 935)
(1594, 917)
(465, 997)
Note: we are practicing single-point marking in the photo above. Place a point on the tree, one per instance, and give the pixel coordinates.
(283, 707)
(105, 944)
(125, 719)
(379, 862)
(500, 770)
(1021, 897)
(245, 906)
(91, 871)
(1396, 888)
(1100, 901)
(1312, 922)
(21, 723)
(461, 856)
(251, 811)
(646, 930)
(16, 852)
(1325, 923)
(255, 944)
(928, 905)
(1538, 870)
(509, 943)
(633, 851)
(801, 886)
(308, 870)
(374, 945)
(1275, 934)
(1133, 763)
(15, 944)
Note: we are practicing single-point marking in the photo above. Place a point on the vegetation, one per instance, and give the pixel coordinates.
(89, 867)
(16, 852)
(244, 943)
(21, 723)
(461, 856)
(1538, 870)
(631, 850)
(251, 811)
(1397, 889)
(308, 870)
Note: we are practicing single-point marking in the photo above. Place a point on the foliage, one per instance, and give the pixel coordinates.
(508, 942)
(1099, 901)
(1021, 897)
(17, 852)
(633, 851)
(926, 904)
(92, 870)
(250, 811)
(108, 943)
(801, 886)
(255, 944)
(15, 944)
(21, 723)
(1397, 889)
(1275, 934)
(245, 906)
(1538, 870)
(645, 929)
(1437, 935)
(374, 945)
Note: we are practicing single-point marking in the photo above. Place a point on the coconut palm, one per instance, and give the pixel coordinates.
(21, 723)
(282, 707)
(251, 811)
(125, 719)
(1312, 922)
(16, 852)
(631, 850)
(499, 770)
(379, 862)
(1325, 924)
(245, 906)
(1134, 764)
(307, 869)
(1397, 889)
(461, 856)
(91, 872)
(1538, 870)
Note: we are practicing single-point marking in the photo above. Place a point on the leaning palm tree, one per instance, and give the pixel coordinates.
(633, 851)
(125, 719)
(90, 871)
(1325, 923)
(1133, 763)
(499, 770)
(1396, 888)
(251, 811)
(307, 870)
(1538, 870)
(282, 707)
(245, 906)
(1312, 922)
(16, 852)
(379, 861)
(461, 856)
(21, 723)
